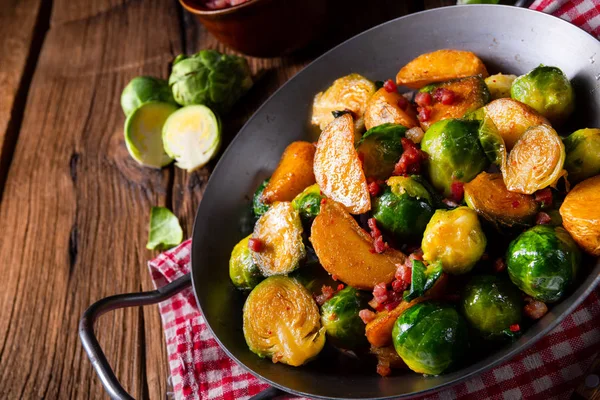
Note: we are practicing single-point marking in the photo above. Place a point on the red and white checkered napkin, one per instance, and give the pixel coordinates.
(583, 13)
(201, 370)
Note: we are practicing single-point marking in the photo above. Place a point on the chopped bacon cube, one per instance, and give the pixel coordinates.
(411, 159)
(544, 197)
(424, 114)
(402, 103)
(457, 189)
(366, 315)
(515, 328)
(374, 188)
(256, 245)
(423, 99)
(542, 218)
(390, 86)
(444, 96)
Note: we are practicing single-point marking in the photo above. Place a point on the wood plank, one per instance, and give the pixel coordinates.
(22, 27)
(76, 205)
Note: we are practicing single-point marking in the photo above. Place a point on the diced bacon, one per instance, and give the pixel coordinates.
(411, 159)
(402, 103)
(515, 328)
(327, 293)
(392, 305)
(542, 218)
(366, 315)
(256, 245)
(457, 189)
(390, 86)
(374, 189)
(424, 114)
(423, 99)
(444, 96)
(544, 197)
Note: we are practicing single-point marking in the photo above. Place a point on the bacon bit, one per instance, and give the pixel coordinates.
(411, 159)
(380, 293)
(334, 277)
(542, 218)
(327, 293)
(402, 103)
(374, 189)
(403, 273)
(445, 96)
(366, 315)
(449, 203)
(424, 114)
(515, 328)
(457, 189)
(374, 304)
(417, 254)
(392, 305)
(372, 223)
(423, 99)
(340, 287)
(379, 245)
(384, 370)
(516, 204)
(535, 309)
(390, 86)
(323, 200)
(499, 265)
(544, 197)
(256, 245)
(399, 286)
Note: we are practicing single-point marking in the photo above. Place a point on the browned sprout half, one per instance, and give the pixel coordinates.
(282, 321)
(535, 162)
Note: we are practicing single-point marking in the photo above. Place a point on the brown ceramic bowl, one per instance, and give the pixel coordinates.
(263, 28)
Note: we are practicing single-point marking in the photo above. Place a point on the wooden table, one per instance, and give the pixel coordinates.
(74, 206)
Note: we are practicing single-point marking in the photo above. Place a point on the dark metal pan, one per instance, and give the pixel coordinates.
(508, 39)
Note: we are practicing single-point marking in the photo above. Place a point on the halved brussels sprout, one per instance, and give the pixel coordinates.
(535, 162)
(581, 214)
(422, 279)
(279, 232)
(282, 321)
(389, 108)
(499, 85)
(143, 89)
(512, 119)
(403, 209)
(381, 148)
(488, 196)
(490, 139)
(243, 272)
(491, 304)
(430, 337)
(583, 154)
(470, 93)
(455, 153)
(339, 317)
(543, 262)
(349, 92)
(258, 206)
(547, 90)
(455, 238)
(308, 203)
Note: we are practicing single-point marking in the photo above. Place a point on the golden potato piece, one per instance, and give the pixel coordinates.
(513, 118)
(279, 231)
(384, 107)
(581, 214)
(535, 162)
(338, 169)
(293, 174)
(349, 92)
(439, 66)
(344, 249)
(499, 85)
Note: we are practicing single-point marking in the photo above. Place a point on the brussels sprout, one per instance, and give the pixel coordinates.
(455, 153)
(491, 304)
(499, 85)
(583, 154)
(308, 203)
(543, 262)
(381, 148)
(143, 89)
(422, 279)
(488, 196)
(339, 317)
(455, 238)
(490, 139)
(258, 207)
(282, 321)
(243, 272)
(348, 92)
(430, 337)
(547, 90)
(210, 78)
(403, 209)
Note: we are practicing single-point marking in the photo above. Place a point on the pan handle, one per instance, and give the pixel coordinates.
(90, 342)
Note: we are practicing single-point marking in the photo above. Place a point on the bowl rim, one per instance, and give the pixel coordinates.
(223, 11)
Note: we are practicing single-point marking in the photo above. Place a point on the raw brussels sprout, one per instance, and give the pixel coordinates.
(547, 90)
(543, 262)
(210, 78)
(430, 337)
(403, 209)
(282, 321)
(339, 317)
(143, 89)
(258, 206)
(583, 154)
(455, 238)
(308, 203)
(243, 272)
(491, 304)
(381, 148)
(455, 153)
(499, 85)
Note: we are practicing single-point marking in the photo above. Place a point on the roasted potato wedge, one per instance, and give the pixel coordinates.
(389, 107)
(581, 214)
(344, 249)
(439, 66)
(293, 174)
(349, 92)
(338, 169)
(513, 118)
